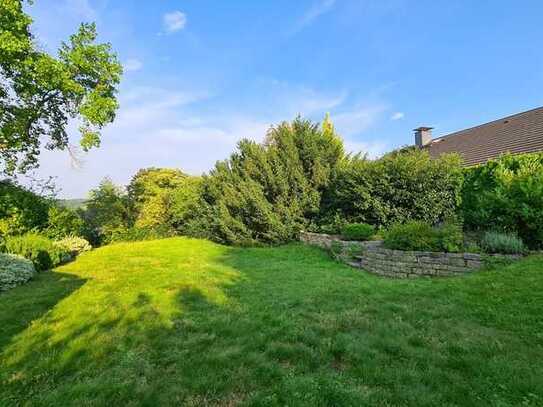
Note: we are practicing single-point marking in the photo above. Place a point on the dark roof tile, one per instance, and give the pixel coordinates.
(520, 133)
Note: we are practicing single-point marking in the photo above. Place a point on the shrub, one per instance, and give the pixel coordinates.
(14, 271)
(401, 186)
(414, 235)
(357, 231)
(43, 253)
(418, 235)
(137, 234)
(268, 192)
(506, 194)
(331, 224)
(450, 236)
(73, 245)
(505, 243)
(21, 210)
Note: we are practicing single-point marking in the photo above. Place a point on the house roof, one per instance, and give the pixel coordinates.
(519, 133)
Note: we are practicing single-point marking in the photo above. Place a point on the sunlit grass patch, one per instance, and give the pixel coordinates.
(188, 322)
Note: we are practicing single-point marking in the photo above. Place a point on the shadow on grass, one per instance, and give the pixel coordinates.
(33, 300)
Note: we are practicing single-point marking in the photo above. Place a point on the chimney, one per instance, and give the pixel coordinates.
(423, 136)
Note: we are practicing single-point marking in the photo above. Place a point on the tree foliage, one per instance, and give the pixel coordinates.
(184, 202)
(63, 222)
(105, 212)
(149, 195)
(40, 93)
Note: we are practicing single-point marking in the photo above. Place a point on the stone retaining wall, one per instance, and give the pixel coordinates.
(326, 241)
(373, 257)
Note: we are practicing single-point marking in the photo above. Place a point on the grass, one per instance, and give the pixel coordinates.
(188, 322)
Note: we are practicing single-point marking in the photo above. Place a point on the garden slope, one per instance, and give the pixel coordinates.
(188, 322)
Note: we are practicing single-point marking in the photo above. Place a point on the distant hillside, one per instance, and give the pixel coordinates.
(72, 203)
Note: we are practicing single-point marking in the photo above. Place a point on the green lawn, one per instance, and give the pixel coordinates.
(188, 322)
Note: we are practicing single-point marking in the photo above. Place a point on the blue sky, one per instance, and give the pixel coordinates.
(200, 75)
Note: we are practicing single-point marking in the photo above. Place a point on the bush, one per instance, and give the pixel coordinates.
(450, 237)
(269, 192)
(40, 250)
(21, 210)
(414, 235)
(134, 234)
(14, 271)
(331, 224)
(357, 231)
(418, 235)
(505, 243)
(507, 195)
(73, 245)
(401, 186)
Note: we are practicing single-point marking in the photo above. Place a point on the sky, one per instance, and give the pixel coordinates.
(200, 75)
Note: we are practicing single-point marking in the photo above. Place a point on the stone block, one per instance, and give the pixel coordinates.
(456, 269)
(457, 261)
(472, 256)
(474, 264)
(455, 255)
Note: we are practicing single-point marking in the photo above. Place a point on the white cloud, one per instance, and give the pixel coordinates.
(145, 108)
(162, 127)
(285, 100)
(174, 21)
(373, 149)
(154, 127)
(313, 102)
(397, 116)
(356, 121)
(352, 124)
(308, 102)
(315, 11)
(132, 64)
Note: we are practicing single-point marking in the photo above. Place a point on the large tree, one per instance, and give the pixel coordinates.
(105, 211)
(149, 195)
(40, 93)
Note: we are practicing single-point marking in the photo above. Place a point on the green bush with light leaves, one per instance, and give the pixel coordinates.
(504, 243)
(14, 271)
(74, 245)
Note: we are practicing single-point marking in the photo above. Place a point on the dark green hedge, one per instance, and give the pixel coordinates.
(401, 186)
(40, 250)
(506, 195)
